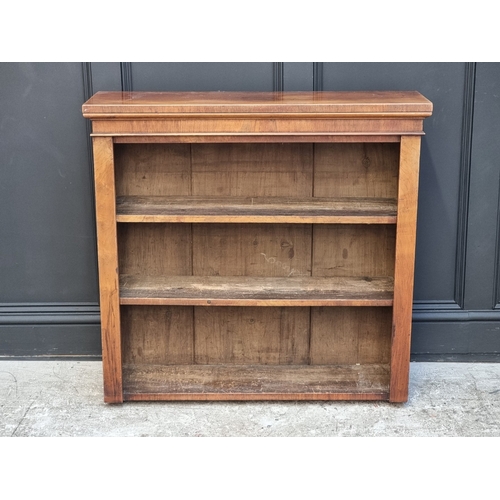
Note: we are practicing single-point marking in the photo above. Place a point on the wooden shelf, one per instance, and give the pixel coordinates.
(255, 291)
(255, 382)
(255, 209)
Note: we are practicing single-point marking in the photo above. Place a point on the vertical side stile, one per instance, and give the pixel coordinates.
(404, 267)
(107, 250)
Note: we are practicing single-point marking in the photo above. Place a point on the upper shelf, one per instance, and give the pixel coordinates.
(265, 210)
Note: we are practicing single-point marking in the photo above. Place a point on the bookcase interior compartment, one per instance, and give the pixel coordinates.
(172, 335)
(256, 182)
(251, 262)
(242, 264)
(340, 347)
(256, 246)
(337, 170)
(256, 249)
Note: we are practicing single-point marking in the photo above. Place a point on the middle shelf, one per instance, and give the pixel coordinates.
(256, 291)
(255, 209)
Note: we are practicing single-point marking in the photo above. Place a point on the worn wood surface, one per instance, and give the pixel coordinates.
(107, 253)
(256, 209)
(153, 169)
(252, 249)
(252, 169)
(259, 170)
(255, 382)
(252, 335)
(350, 335)
(255, 291)
(404, 270)
(353, 250)
(155, 249)
(356, 170)
(157, 335)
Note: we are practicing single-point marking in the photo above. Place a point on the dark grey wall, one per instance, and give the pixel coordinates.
(48, 271)
(48, 276)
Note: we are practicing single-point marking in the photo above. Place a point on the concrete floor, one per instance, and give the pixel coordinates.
(64, 398)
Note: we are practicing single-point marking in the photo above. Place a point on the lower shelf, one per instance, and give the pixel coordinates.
(255, 382)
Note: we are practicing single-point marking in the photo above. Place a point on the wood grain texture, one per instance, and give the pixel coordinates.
(353, 250)
(116, 104)
(157, 335)
(107, 254)
(168, 139)
(153, 169)
(404, 270)
(356, 170)
(268, 129)
(251, 335)
(255, 291)
(350, 335)
(270, 117)
(252, 250)
(255, 382)
(155, 249)
(256, 210)
(252, 170)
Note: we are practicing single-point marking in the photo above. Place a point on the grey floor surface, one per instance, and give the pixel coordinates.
(64, 398)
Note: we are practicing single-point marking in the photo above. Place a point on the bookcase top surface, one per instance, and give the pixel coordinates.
(379, 103)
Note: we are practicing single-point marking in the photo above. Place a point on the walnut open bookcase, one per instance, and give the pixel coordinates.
(256, 245)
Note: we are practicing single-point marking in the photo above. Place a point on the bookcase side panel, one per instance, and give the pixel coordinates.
(404, 267)
(107, 253)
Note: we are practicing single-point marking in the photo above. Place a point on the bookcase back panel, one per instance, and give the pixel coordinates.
(155, 249)
(252, 169)
(356, 170)
(152, 169)
(252, 249)
(256, 250)
(279, 170)
(252, 335)
(215, 249)
(157, 335)
(179, 335)
(350, 335)
(353, 250)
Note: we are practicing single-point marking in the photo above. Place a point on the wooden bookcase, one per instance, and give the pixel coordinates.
(256, 245)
